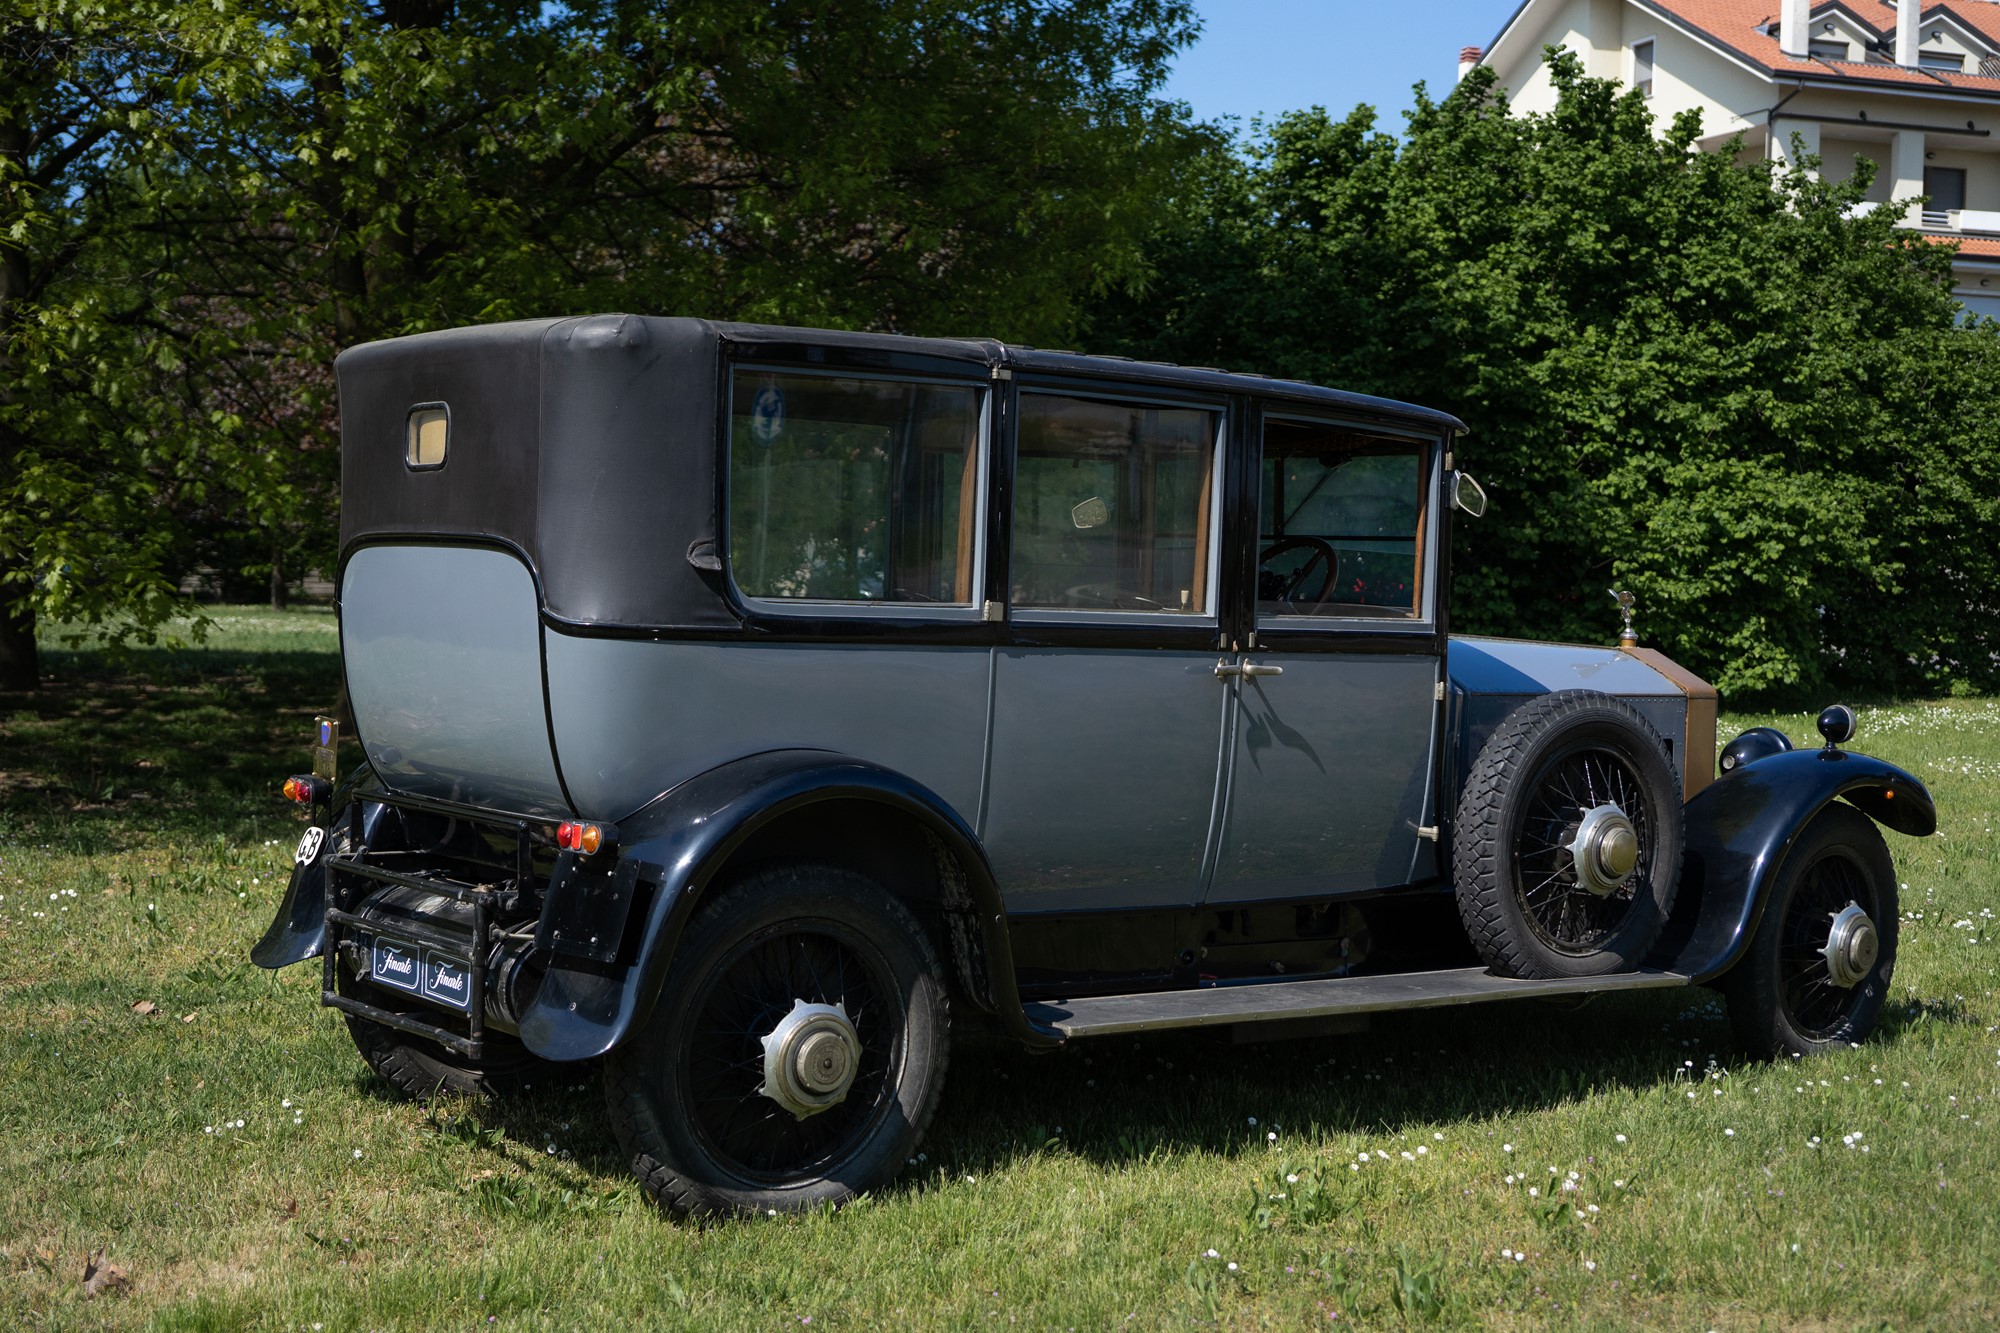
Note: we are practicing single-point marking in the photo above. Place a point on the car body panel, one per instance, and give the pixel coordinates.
(442, 647)
(637, 717)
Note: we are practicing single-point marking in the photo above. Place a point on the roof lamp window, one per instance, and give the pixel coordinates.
(1950, 61)
(428, 435)
(1830, 49)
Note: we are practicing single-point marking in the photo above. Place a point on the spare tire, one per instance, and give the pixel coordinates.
(1566, 852)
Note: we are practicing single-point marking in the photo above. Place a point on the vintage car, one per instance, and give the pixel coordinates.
(744, 706)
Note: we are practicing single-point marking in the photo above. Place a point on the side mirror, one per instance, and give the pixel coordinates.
(1467, 494)
(1092, 513)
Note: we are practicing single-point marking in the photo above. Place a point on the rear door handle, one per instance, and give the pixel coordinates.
(1225, 669)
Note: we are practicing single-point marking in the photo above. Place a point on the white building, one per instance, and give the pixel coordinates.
(1913, 87)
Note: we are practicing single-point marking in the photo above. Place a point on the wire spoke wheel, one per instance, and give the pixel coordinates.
(796, 1053)
(1786, 995)
(747, 996)
(1565, 912)
(1566, 848)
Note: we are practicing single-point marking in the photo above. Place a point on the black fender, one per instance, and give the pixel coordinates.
(1740, 829)
(684, 836)
(298, 931)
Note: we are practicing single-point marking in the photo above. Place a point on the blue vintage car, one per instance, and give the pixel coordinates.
(743, 706)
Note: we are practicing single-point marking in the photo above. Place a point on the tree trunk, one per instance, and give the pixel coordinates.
(280, 594)
(20, 663)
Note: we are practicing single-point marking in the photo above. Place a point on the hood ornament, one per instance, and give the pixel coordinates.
(1627, 637)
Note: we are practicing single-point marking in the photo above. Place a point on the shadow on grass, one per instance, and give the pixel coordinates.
(188, 743)
(1122, 1104)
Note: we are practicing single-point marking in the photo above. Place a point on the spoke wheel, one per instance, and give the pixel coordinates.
(1566, 914)
(796, 1053)
(1787, 996)
(1566, 849)
(723, 1066)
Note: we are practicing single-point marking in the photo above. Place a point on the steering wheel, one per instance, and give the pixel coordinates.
(1273, 586)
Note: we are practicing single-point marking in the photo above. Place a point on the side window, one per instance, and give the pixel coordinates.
(1340, 522)
(849, 489)
(1113, 506)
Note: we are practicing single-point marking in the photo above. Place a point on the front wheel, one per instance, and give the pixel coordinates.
(796, 1053)
(1818, 970)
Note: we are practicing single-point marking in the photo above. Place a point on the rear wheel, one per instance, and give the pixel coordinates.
(1818, 971)
(796, 1053)
(1567, 848)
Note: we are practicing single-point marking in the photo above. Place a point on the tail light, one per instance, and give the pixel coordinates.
(307, 790)
(586, 838)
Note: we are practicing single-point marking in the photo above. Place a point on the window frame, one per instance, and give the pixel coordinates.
(820, 609)
(1424, 622)
(1651, 64)
(1205, 621)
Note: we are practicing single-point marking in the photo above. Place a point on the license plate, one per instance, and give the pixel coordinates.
(396, 963)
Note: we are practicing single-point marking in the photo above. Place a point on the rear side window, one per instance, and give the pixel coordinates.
(852, 489)
(1114, 506)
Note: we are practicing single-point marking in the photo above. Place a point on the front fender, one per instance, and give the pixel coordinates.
(1740, 828)
(685, 835)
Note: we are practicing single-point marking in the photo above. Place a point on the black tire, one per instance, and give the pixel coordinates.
(420, 1068)
(1519, 892)
(684, 1092)
(1782, 999)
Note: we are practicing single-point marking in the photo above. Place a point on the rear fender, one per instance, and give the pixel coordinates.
(685, 835)
(1740, 828)
(298, 931)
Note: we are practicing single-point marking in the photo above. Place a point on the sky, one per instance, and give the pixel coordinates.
(1267, 56)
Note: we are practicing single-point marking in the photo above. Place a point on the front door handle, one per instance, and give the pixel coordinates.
(1225, 669)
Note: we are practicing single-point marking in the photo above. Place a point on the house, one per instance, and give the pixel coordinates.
(1914, 87)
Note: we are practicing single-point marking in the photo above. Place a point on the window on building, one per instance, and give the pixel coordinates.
(1950, 61)
(1642, 66)
(1946, 187)
(1830, 49)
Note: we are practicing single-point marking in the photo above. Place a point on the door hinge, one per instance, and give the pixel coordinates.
(1438, 693)
(1428, 832)
(992, 611)
(1003, 372)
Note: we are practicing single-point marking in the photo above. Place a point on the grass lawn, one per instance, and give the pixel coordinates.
(231, 1154)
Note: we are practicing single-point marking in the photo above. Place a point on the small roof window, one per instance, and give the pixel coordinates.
(428, 436)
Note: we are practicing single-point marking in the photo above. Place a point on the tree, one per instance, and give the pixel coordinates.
(1714, 383)
(309, 174)
(91, 100)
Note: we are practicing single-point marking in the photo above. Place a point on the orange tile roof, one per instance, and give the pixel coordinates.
(1971, 247)
(1739, 26)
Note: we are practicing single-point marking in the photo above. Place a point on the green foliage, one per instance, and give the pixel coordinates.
(1710, 382)
(201, 205)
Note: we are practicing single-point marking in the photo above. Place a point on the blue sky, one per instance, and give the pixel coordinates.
(1267, 56)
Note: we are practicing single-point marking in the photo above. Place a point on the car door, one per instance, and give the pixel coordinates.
(1335, 707)
(1107, 723)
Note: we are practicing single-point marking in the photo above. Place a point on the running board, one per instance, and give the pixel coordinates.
(1263, 1001)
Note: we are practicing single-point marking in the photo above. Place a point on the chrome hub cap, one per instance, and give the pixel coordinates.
(810, 1058)
(1605, 850)
(1852, 946)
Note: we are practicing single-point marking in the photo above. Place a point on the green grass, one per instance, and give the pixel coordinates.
(231, 1153)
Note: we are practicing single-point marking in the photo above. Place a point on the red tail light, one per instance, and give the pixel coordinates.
(307, 790)
(586, 838)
